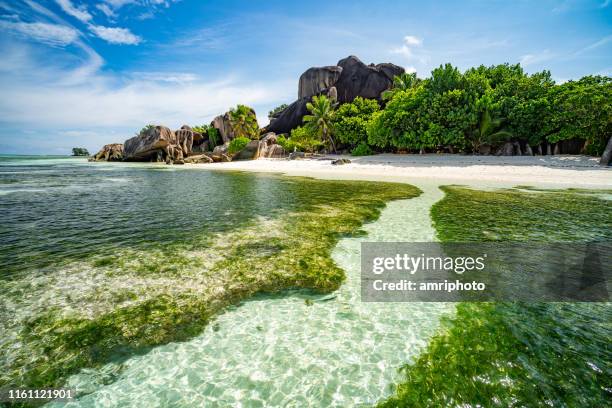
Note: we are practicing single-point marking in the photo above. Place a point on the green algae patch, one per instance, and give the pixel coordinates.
(516, 354)
(116, 305)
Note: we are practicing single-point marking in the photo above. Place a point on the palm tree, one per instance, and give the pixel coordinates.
(488, 130)
(244, 122)
(322, 112)
(401, 82)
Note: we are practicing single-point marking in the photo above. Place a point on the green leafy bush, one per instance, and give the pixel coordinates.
(306, 139)
(237, 144)
(244, 122)
(362, 149)
(214, 138)
(288, 144)
(350, 121)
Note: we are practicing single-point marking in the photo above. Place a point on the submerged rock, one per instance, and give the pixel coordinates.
(109, 152)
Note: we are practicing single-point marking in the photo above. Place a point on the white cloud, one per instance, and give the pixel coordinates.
(411, 40)
(104, 8)
(530, 59)
(407, 49)
(80, 12)
(173, 77)
(115, 35)
(50, 34)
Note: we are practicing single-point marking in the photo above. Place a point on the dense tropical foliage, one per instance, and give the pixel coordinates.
(473, 111)
(244, 122)
(320, 118)
(210, 132)
(79, 151)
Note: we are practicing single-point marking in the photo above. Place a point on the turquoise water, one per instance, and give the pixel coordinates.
(295, 348)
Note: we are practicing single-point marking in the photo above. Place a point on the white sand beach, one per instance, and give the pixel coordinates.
(554, 171)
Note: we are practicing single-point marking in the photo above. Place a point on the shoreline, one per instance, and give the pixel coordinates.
(542, 171)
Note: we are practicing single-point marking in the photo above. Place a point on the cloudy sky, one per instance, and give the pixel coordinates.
(86, 73)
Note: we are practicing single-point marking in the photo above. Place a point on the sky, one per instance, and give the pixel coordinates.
(86, 73)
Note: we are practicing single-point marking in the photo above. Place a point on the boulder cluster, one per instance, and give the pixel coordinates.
(343, 82)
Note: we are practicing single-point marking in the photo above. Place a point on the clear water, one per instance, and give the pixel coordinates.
(296, 349)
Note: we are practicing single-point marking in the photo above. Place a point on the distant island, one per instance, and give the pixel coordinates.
(364, 109)
(79, 151)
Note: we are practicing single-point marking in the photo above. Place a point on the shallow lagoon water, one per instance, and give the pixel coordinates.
(332, 350)
(292, 348)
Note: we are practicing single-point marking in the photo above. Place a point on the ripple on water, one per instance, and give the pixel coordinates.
(284, 351)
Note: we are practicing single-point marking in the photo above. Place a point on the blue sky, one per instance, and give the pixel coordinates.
(86, 73)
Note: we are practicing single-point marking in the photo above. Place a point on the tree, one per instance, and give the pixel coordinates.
(320, 118)
(277, 110)
(583, 110)
(350, 121)
(79, 151)
(244, 122)
(401, 82)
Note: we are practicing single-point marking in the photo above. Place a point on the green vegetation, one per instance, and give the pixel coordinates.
(320, 118)
(244, 122)
(351, 119)
(79, 151)
(362, 149)
(401, 82)
(516, 354)
(291, 249)
(145, 129)
(489, 105)
(211, 132)
(277, 110)
(237, 144)
(482, 107)
(306, 139)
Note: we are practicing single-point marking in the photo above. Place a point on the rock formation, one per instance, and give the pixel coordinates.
(367, 81)
(222, 124)
(317, 79)
(268, 147)
(158, 143)
(109, 152)
(606, 157)
(345, 81)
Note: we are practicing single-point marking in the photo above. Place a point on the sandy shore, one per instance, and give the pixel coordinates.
(553, 171)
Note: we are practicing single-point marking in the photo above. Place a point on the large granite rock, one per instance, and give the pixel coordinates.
(344, 82)
(222, 124)
(159, 143)
(317, 79)
(109, 152)
(367, 81)
(269, 149)
(249, 152)
(290, 118)
(606, 157)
